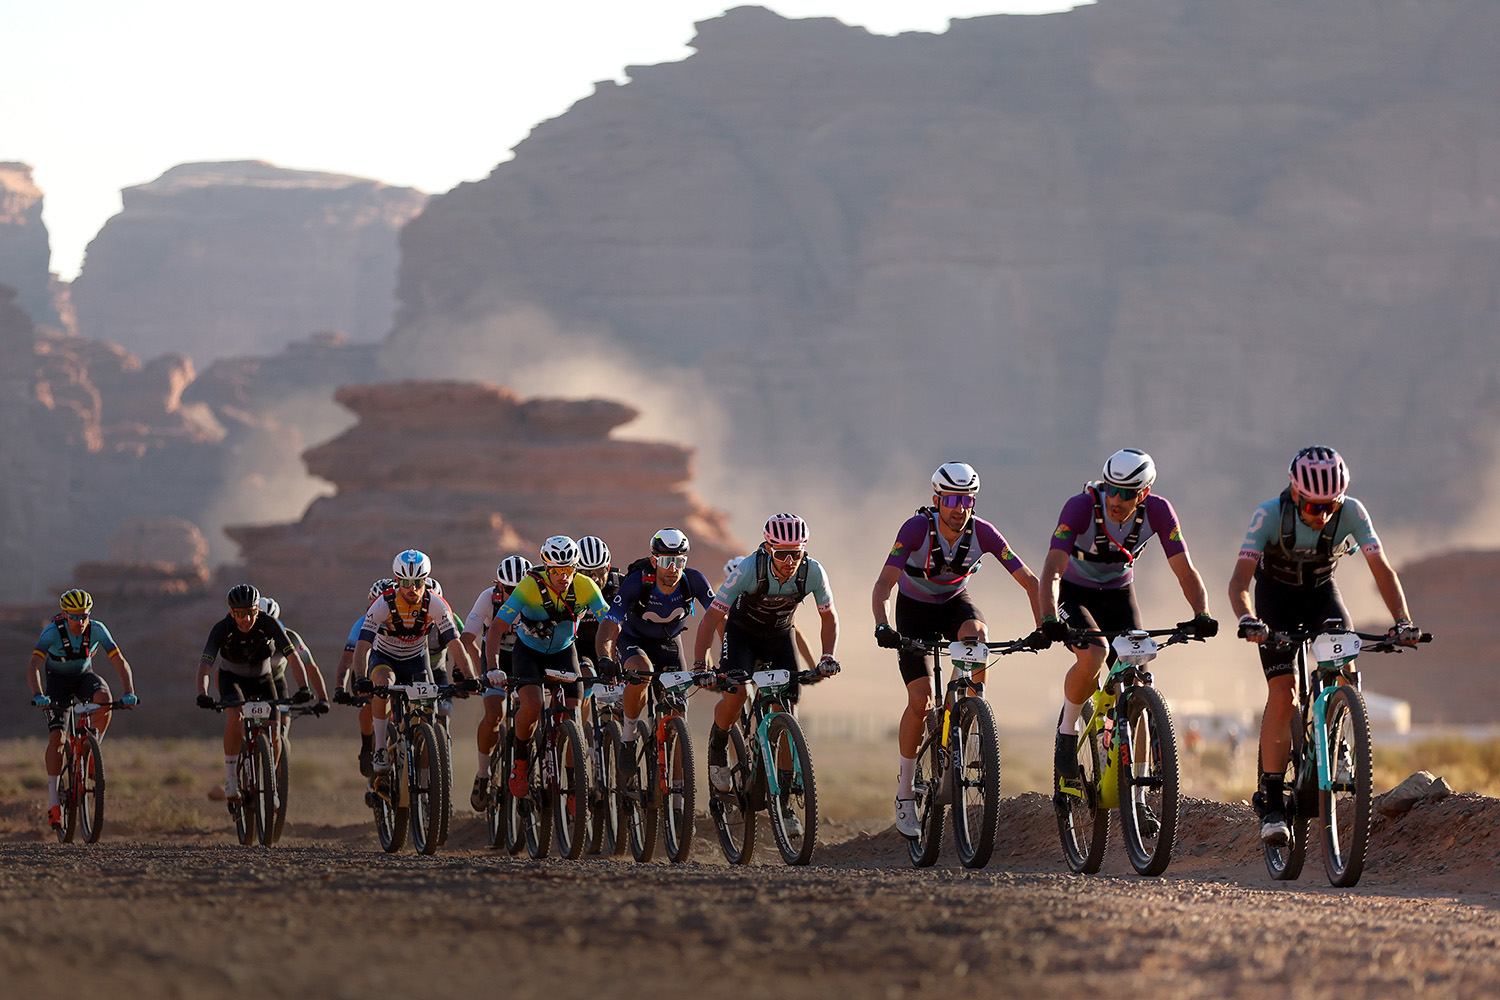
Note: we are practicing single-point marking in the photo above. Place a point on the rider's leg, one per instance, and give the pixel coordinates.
(102, 716)
(975, 628)
(633, 703)
(380, 713)
(528, 711)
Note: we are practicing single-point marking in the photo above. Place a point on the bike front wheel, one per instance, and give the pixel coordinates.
(1082, 822)
(637, 768)
(424, 774)
(1148, 779)
(264, 792)
(534, 810)
(445, 753)
(283, 787)
(91, 790)
(496, 806)
(67, 796)
(927, 787)
(1284, 861)
(794, 808)
(390, 815)
(570, 799)
(1344, 809)
(679, 789)
(732, 812)
(976, 781)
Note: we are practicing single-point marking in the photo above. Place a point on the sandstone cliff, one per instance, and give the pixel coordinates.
(1216, 231)
(25, 255)
(217, 260)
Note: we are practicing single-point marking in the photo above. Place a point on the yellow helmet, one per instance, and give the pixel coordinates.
(76, 601)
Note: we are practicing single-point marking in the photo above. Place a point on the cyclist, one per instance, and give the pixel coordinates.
(248, 643)
(393, 641)
(313, 678)
(804, 651)
(344, 683)
(647, 617)
(1291, 550)
(1087, 579)
(66, 649)
(544, 610)
(755, 607)
(496, 657)
(936, 552)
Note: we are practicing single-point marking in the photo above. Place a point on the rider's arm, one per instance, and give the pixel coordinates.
(204, 666)
(1052, 571)
(461, 662)
(362, 657)
(1029, 583)
(1239, 584)
(298, 668)
(880, 597)
(122, 667)
(341, 676)
(471, 645)
(1389, 586)
(713, 618)
(604, 639)
(34, 670)
(830, 631)
(211, 653)
(1191, 581)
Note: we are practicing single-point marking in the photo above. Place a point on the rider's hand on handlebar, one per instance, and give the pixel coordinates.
(205, 701)
(609, 669)
(1202, 626)
(1055, 628)
(1254, 629)
(1038, 639)
(40, 700)
(363, 685)
(1405, 633)
(320, 707)
(827, 666)
(129, 700)
(302, 695)
(341, 697)
(887, 637)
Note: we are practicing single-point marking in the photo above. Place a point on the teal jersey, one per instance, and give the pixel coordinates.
(1355, 532)
(63, 660)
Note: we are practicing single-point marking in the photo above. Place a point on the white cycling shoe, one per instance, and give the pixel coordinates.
(231, 790)
(907, 823)
(791, 823)
(721, 777)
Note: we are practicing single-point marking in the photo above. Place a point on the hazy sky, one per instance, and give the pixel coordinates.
(98, 95)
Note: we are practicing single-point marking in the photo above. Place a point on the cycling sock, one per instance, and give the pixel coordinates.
(380, 735)
(718, 738)
(904, 778)
(52, 796)
(1069, 724)
(366, 740)
(484, 765)
(629, 734)
(232, 769)
(1272, 785)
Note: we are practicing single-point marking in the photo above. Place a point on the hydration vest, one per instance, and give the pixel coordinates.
(1284, 564)
(71, 653)
(565, 612)
(760, 610)
(398, 629)
(1106, 549)
(936, 563)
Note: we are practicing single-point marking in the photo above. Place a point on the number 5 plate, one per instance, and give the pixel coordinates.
(1334, 649)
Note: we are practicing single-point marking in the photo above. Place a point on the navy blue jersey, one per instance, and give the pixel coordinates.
(662, 616)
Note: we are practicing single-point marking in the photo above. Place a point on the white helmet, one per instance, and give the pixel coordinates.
(786, 529)
(732, 565)
(412, 564)
(560, 550)
(381, 586)
(434, 586)
(593, 554)
(1130, 469)
(511, 570)
(1319, 474)
(955, 477)
(269, 606)
(669, 542)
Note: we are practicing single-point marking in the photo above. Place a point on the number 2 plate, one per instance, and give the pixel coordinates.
(977, 654)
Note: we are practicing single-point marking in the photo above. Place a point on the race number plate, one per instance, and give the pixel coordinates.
(1135, 648)
(976, 655)
(256, 710)
(677, 680)
(771, 678)
(421, 691)
(1334, 649)
(560, 675)
(609, 694)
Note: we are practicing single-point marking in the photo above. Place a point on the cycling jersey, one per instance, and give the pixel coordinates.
(588, 624)
(482, 616)
(1310, 559)
(925, 576)
(73, 654)
(768, 611)
(1108, 562)
(527, 610)
(408, 635)
(247, 653)
(643, 611)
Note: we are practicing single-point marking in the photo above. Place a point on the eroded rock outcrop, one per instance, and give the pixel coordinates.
(25, 253)
(216, 260)
(469, 473)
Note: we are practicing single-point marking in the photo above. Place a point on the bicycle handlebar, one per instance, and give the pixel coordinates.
(85, 707)
(941, 645)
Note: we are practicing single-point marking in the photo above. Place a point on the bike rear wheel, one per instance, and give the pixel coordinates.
(637, 767)
(976, 781)
(927, 787)
(598, 798)
(1082, 824)
(243, 811)
(283, 787)
(1148, 785)
(794, 809)
(1284, 861)
(733, 815)
(264, 793)
(67, 796)
(1345, 808)
(497, 807)
(445, 751)
(91, 790)
(616, 840)
(570, 798)
(424, 775)
(678, 789)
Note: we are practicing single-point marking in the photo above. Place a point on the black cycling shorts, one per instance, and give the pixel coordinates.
(743, 649)
(236, 690)
(530, 667)
(408, 669)
(927, 622)
(662, 654)
(1098, 610)
(65, 688)
(1286, 608)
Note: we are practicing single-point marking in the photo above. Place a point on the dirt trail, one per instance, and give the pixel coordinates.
(326, 914)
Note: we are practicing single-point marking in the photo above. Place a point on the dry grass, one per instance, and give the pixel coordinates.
(1467, 765)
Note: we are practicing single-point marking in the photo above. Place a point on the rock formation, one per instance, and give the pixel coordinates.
(469, 473)
(25, 254)
(216, 260)
(1219, 232)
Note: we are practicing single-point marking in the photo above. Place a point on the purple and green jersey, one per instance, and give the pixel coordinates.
(1075, 533)
(913, 553)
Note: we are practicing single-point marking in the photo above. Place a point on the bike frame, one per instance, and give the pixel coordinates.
(411, 705)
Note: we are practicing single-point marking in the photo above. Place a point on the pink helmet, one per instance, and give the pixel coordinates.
(1320, 474)
(786, 529)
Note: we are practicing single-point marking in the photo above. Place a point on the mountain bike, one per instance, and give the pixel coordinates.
(1331, 770)
(1127, 760)
(658, 779)
(788, 790)
(497, 798)
(80, 783)
(255, 811)
(557, 777)
(958, 762)
(413, 794)
(601, 734)
(284, 767)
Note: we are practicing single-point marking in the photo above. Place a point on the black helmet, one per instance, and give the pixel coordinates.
(244, 596)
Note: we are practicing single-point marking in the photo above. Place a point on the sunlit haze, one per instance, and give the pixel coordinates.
(97, 96)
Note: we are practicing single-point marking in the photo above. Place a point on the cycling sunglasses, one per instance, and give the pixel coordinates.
(78, 617)
(1313, 508)
(671, 562)
(786, 555)
(964, 501)
(1123, 492)
(412, 584)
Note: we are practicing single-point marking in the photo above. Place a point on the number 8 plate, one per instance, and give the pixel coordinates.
(1334, 649)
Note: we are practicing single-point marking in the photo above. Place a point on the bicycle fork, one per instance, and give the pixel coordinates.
(772, 767)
